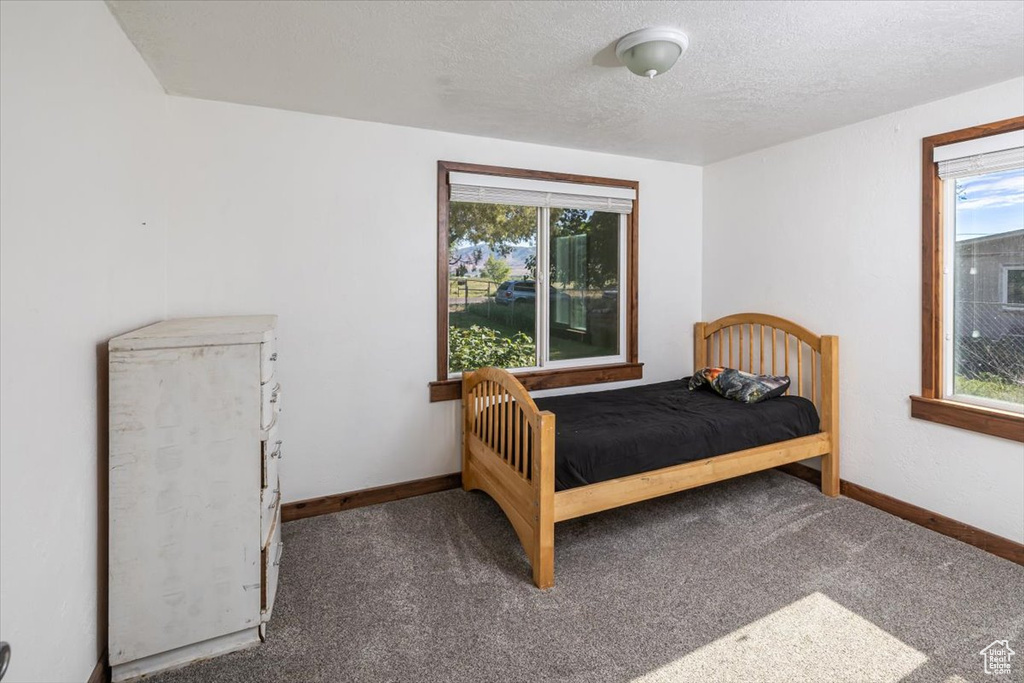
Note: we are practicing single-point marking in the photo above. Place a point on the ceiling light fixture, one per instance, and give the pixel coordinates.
(651, 51)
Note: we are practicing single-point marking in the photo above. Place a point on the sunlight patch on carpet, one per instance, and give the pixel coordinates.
(814, 639)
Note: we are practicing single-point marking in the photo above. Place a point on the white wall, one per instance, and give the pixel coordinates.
(826, 231)
(81, 120)
(331, 224)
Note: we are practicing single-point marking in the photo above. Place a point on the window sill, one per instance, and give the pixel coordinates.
(990, 421)
(535, 380)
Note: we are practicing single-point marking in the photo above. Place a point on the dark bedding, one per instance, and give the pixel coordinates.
(607, 434)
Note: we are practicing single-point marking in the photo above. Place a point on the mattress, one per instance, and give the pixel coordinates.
(602, 435)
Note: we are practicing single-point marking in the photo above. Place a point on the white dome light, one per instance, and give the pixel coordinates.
(651, 51)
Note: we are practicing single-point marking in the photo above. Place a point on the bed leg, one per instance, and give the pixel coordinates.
(830, 472)
(544, 490)
(467, 426)
(544, 557)
(830, 413)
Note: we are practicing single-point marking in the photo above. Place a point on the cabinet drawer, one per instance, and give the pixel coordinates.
(270, 455)
(271, 556)
(271, 404)
(270, 508)
(268, 360)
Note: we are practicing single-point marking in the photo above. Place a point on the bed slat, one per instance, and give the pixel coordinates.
(760, 367)
(506, 428)
(739, 332)
(750, 348)
(516, 441)
(785, 355)
(730, 349)
(813, 363)
(799, 368)
(492, 412)
(773, 348)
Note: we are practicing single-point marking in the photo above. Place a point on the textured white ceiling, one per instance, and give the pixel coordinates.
(756, 73)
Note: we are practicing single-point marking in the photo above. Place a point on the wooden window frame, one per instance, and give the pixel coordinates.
(450, 389)
(931, 404)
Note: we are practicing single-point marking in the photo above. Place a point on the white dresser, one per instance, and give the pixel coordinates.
(195, 502)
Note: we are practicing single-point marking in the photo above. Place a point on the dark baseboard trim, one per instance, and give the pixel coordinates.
(311, 507)
(989, 542)
(101, 672)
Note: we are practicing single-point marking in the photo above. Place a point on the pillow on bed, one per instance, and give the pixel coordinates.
(740, 386)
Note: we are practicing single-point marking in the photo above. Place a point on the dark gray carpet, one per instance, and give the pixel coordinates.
(754, 579)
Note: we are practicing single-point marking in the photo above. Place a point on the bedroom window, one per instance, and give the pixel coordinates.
(973, 284)
(536, 274)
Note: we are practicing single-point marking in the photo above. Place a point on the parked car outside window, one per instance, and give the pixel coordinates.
(510, 292)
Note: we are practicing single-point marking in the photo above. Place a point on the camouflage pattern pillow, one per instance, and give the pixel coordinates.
(740, 386)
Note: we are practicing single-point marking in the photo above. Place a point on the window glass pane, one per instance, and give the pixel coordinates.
(584, 276)
(1015, 286)
(492, 298)
(988, 287)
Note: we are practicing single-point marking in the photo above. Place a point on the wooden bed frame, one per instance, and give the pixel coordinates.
(509, 445)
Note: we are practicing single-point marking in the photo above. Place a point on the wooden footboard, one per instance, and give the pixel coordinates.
(509, 451)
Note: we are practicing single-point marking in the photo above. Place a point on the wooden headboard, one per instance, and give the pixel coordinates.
(766, 344)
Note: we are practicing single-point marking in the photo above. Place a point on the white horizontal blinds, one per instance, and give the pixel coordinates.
(982, 155)
(488, 189)
(991, 162)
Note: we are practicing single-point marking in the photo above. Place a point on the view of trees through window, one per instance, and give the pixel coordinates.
(988, 282)
(494, 290)
(584, 277)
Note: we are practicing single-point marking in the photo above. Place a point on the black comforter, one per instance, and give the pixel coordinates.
(607, 434)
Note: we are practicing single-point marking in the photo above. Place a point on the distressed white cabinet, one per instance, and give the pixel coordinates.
(195, 502)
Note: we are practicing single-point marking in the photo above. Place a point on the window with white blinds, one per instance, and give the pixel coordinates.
(983, 258)
(536, 273)
(972, 279)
